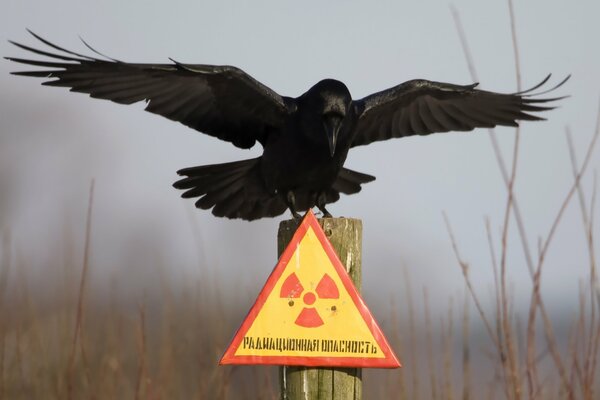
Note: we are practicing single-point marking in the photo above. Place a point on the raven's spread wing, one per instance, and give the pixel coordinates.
(222, 101)
(421, 107)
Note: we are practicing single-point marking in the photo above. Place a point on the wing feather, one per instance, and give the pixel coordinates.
(428, 118)
(447, 123)
(421, 107)
(221, 101)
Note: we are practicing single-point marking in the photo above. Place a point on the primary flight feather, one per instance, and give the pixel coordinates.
(305, 140)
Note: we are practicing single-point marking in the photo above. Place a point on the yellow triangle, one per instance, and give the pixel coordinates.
(309, 313)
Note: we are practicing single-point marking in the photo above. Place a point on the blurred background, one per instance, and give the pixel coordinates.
(52, 143)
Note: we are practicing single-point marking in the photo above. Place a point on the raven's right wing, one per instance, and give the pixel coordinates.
(221, 101)
(421, 107)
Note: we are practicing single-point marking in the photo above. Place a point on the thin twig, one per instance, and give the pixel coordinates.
(587, 224)
(507, 332)
(464, 43)
(464, 266)
(496, 291)
(447, 339)
(141, 339)
(531, 372)
(429, 347)
(577, 343)
(5, 267)
(79, 316)
(412, 336)
(513, 33)
(595, 289)
(466, 361)
(4, 274)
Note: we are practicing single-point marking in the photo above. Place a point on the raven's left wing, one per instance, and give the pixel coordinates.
(421, 107)
(221, 101)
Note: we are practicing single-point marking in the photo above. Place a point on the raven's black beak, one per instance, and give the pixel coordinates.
(332, 123)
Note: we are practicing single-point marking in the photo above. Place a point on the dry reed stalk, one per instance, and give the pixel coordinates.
(31, 321)
(5, 267)
(429, 341)
(595, 287)
(491, 393)
(466, 351)
(85, 364)
(140, 383)
(167, 351)
(511, 369)
(198, 239)
(531, 371)
(166, 374)
(80, 296)
(591, 349)
(401, 389)
(412, 336)
(464, 266)
(583, 350)
(26, 322)
(579, 331)
(113, 336)
(594, 344)
(2, 361)
(19, 362)
(447, 339)
(4, 274)
(497, 303)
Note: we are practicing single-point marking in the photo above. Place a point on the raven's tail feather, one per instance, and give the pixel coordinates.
(236, 190)
(349, 181)
(232, 190)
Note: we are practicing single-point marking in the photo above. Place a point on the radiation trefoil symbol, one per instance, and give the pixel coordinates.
(309, 316)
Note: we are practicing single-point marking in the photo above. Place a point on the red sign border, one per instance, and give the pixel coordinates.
(389, 361)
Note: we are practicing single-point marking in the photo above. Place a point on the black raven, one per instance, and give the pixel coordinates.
(305, 140)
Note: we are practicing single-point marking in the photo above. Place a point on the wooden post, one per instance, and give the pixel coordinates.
(303, 383)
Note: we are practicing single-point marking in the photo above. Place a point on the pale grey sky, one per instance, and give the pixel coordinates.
(53, 142)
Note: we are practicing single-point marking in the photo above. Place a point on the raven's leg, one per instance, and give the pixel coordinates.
(321, 201)
(291, 203)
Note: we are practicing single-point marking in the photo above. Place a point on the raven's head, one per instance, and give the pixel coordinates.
(331, 99)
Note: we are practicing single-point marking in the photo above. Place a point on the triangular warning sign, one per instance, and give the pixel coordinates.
(310, 313)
